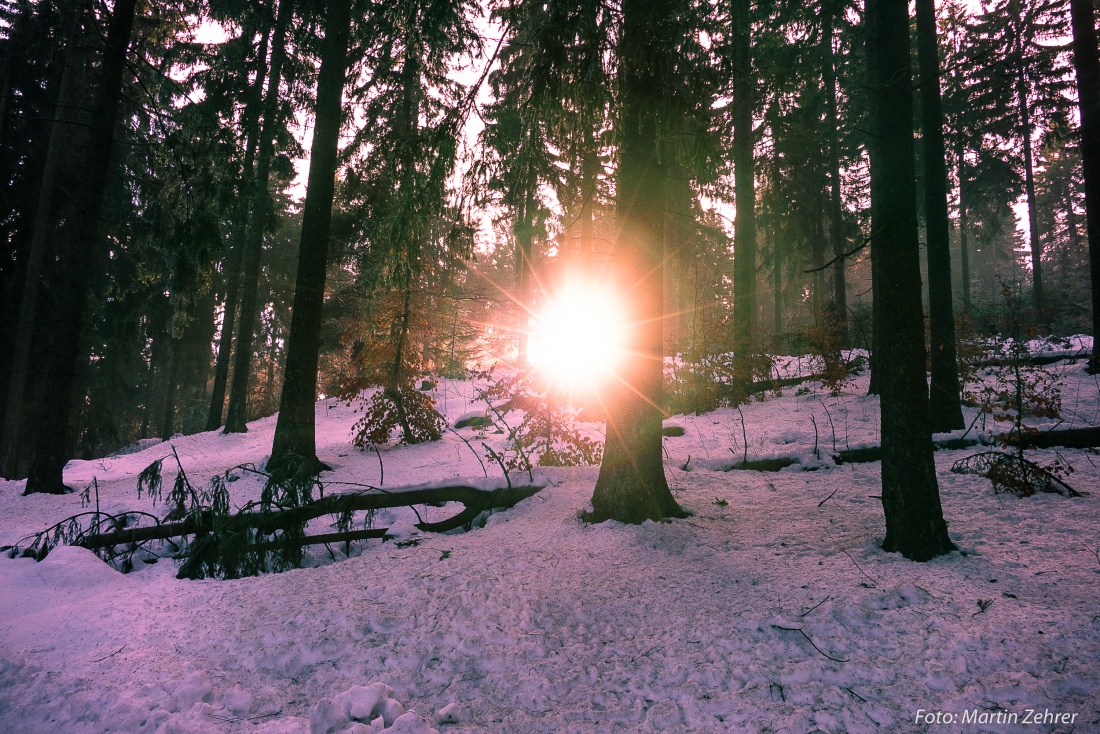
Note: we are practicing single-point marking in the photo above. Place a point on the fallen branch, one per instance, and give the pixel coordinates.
(799, 630)
(476, 501)
(1036, 360)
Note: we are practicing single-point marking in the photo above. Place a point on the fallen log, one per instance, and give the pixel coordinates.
(1036, 360)
(1072, 438)
(475, 500)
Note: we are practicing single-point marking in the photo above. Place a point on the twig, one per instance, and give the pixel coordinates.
(472, 451)
(116, 652)
(817, 453)
(819, 504)
(873, 581)
(861, 698)
(381, 468)
(842, 256)
(815, 606)
(744, 438)
(497, 458)
(830, 417)
(799, 630)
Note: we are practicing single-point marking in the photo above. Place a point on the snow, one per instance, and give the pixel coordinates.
(772, 608)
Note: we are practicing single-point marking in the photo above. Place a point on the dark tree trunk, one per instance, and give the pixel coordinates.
(910, 496)
(839, 311)
(82, 227)
(946, 412)
(62, 130)
(679, 225)
(777, 252)
(1088, 91)
(1032, 207)
(631, 486)
(171, 387)
(235, 256)
(744, 235)
(295, 432)
(236, 418)
(525, 236)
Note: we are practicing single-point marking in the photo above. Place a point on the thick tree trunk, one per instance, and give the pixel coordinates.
(744, 235)
(295, 432)
(234, 258)
(1088, 90)
(910, 496)
(83, 226)
(62, 130)
(946, 411)
(236, 418)
(631, 486)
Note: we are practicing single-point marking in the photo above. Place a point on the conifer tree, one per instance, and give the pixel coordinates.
(631, 486)
(910, 495)
(946, 410)
(295, 432)
(1088, 90)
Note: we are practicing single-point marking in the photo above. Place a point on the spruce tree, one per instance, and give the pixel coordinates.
(910, 495)
(631, 486)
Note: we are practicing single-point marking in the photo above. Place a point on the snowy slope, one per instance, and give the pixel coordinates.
(770, 609)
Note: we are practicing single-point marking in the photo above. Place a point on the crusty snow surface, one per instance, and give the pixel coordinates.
(771, 609)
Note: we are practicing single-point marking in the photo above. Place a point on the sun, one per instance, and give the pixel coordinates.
(576, 340)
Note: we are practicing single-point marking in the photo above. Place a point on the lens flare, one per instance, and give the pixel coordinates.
(576, 340)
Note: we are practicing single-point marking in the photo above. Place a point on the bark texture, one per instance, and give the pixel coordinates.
(295, 432)
(910, 495)
(946, 411)
(631, 486)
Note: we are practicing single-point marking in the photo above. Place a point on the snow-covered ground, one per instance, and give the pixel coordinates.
(770, 609)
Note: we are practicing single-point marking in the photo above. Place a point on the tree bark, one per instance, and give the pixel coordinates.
(839, 311)
(295, 432)
(910, 496)
(1032, 207)
(631, 486)
(50, 456)
(744, 235)
(946, 411)
(45, 223)
(1088, 96)
(236, 418)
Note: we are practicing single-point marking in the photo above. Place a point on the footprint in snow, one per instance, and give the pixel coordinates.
(387, 625)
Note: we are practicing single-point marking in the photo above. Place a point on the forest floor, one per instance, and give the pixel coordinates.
(771, 609)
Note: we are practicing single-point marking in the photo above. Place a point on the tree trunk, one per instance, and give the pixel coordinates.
(777, 252)
(839, 311)
(295, 432)
(1032, 210)
(744, 235)
(83, 225)
(236, 418)
(524, 232)
(910, 496)
(631, 486)
(946, 412)
(964, 227)
(236, 251)
(64, 125)
(1088, 91)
